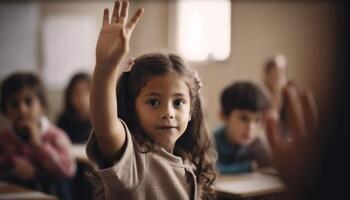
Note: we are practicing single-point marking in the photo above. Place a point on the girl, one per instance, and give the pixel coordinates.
(75, 119)
(159, 148)
(36, 151)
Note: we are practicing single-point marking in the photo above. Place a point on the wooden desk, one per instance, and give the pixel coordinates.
(248, 185)
(10, 191)
(79, 152)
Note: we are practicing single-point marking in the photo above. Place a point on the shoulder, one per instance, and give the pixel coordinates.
(130, 150)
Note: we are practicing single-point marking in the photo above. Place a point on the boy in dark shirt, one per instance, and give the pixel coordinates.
(239, 148)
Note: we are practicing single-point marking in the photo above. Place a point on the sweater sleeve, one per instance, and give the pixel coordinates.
(126, 171)
(55, 154)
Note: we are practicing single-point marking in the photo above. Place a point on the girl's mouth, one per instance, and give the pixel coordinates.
(166, 127)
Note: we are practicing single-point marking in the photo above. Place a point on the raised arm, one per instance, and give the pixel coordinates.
(112, 46)
(296, 159)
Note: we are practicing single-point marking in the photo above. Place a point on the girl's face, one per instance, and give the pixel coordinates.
(24, 105)
(163, 109)
(80, 97)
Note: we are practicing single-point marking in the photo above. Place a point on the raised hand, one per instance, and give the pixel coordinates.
(296, 158)
(29, 131)
(112, 46)
(113, 42)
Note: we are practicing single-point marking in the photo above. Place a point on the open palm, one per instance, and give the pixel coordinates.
(113, 42)
(295, 158)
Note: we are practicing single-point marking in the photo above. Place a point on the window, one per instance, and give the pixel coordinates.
(68, 46)
(201, 30)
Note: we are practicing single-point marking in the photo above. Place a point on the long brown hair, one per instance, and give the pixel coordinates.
(195, 145)
(68, 93)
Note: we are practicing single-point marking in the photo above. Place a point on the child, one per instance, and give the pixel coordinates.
(275, 80)
(75, 119)
(35, 149)
(159, 148)
(237, 142)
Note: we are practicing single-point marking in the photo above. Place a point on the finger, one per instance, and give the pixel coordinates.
(116, 11)
(310, 111)
(105, 16)
(295, 117)
(124, 12)
(134, 20)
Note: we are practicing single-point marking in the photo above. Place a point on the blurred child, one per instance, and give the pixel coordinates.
(159, 148)
(75, 119)
(32, 148)
(275, 79)
(239, 148)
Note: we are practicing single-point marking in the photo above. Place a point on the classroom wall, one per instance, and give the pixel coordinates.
(305, 32)
(19, 36)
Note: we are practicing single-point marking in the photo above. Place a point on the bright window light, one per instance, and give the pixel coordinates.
(203, 29)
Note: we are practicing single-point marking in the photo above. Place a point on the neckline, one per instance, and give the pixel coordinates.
(170, 158)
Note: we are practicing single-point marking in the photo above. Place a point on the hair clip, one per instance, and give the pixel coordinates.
(129, 64)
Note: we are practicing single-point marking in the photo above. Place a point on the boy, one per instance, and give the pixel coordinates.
(239, 149)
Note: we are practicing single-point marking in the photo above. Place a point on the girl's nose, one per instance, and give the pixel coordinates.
(166, 116)
(168, 113)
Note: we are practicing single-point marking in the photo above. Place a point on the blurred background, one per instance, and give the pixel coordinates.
(225, 40)
(56, 39)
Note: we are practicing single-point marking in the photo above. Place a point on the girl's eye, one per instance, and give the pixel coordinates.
(179, 102)
(153, 102)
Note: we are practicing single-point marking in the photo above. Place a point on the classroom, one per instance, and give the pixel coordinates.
(208, 93)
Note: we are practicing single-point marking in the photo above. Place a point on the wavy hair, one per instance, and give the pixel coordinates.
(195, 144)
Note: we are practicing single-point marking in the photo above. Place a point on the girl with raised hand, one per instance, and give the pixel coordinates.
(149, 139)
